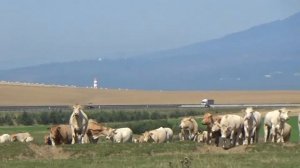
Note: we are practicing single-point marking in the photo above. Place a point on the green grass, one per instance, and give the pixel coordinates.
(169, 155)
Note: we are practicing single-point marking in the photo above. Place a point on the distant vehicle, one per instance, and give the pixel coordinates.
(207, 102)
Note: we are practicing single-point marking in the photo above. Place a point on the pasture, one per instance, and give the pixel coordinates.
(168, 155)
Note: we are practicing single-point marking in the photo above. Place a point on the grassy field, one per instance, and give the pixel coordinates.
(170, 155)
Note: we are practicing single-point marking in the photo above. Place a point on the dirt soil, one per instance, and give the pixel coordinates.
(49, 152)
(21, 95)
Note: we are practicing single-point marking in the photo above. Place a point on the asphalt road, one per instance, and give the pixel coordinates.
(120, 107)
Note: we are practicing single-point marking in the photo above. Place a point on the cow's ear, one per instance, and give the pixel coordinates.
(114, 131)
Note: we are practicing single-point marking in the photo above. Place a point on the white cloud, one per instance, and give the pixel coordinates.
(297, 74)
(277, 73)
(268, 76)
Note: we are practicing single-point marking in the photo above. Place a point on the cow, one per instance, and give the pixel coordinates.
(286, 134)
(59, 134)
(251, 125)
(79, 123)
(119, 135)
(158, 135)
(201, 137)
(209, 120)
(189, 128)
(231, 127)
(5, 138)
(271, 122)
(21, 137)
(94, 130)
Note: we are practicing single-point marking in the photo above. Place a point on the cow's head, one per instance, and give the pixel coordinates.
(13, 138)
(146, 136)
(186, 123)
(216, 126)
(47, 139)
(283, 114)
(207, 119)
(55, 132)
(111, 133)
(77, 110)
(248, 113)
(225, 131)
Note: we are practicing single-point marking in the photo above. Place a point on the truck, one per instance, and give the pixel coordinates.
(207, 102)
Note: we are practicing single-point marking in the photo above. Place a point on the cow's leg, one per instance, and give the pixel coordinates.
(273, 133)
(281, 136)
(246, 136)
(267, 132)
(252, 135)
(74, 137)
(217, 139)
(256, 134)
(238, 137)
(232, 138)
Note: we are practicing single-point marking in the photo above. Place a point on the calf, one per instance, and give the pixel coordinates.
(21, 137)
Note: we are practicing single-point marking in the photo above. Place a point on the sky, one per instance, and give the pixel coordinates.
(35, 32)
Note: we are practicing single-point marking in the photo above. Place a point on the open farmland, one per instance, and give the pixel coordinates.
(107, 154)
(21, 95)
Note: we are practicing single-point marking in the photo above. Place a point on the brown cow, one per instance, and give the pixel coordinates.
(60, 134)
(209, 120)
(94, 130)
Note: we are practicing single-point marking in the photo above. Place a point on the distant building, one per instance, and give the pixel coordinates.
(95, 83)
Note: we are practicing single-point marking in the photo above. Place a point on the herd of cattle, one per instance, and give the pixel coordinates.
(227, 130)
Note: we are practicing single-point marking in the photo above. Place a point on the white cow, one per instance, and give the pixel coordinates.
(251, 125)
(158, 135)
(119, 135)
(287, 130)
(231, 126)
(21, 137)
(79, 124)
(189, 128)
(272, 120)
(5, 138)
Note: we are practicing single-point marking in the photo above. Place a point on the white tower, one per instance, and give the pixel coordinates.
(95, 83)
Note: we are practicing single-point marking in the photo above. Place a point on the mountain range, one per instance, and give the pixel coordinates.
(265, 57)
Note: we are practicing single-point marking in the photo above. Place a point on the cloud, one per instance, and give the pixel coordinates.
(268, 76)
(277, 73)
(296, 74)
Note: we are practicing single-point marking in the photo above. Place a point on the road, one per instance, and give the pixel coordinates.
(145, 106)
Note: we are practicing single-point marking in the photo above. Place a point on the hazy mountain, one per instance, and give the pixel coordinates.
(263, 57)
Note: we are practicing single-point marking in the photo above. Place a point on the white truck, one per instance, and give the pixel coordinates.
(207, 102)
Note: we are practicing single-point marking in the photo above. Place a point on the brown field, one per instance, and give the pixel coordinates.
(13, 95)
